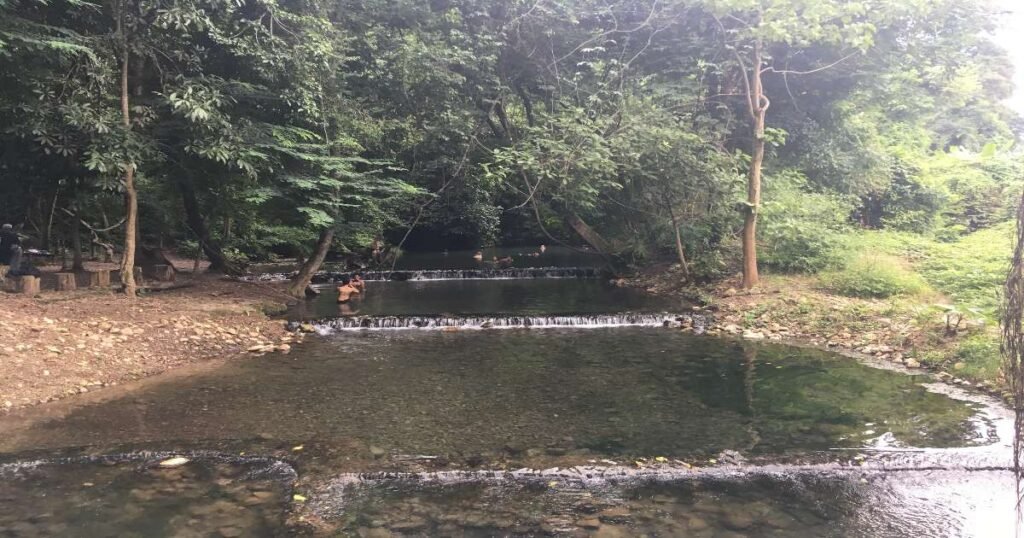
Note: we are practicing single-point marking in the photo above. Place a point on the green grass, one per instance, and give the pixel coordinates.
(875, 276)
(970, 272)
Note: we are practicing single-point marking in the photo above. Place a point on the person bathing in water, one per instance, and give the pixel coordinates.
(346, 290)
(478, 256)
(502, 262)
(358, 282)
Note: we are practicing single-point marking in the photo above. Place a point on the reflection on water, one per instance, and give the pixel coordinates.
(553, 256)
(801, 504)
(626, 391)
(462, 297)
(140, 499)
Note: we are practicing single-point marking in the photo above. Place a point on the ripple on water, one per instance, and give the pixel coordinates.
(133, 496)
(792, 503)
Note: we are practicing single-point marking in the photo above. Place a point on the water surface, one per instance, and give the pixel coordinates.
(520, 393)
(553, 256)
(137, 498)
(931, 504)
(475, 297)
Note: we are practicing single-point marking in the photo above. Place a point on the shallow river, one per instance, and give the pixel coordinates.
(600, 423)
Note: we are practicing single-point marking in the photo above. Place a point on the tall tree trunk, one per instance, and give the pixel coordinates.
(77, 263)
(76, 244)
(758, 105)
(195, 220)
(588, 234)
(312, 265)
(679, 243)
(1012, 343)
(131, 196)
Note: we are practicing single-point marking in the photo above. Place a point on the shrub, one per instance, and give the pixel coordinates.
(801, 231)
(875, 275)
(980, 356)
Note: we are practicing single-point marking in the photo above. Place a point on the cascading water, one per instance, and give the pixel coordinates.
(330, 325)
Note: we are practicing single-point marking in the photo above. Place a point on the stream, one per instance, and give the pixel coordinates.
(410, 414)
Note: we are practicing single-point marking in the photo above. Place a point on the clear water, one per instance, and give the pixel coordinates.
(755, 504)
(498, 394)
(476, 297)
(137, 498)
(454, 412)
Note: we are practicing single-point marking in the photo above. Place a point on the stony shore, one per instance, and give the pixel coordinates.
(791, 309)
(64, 343)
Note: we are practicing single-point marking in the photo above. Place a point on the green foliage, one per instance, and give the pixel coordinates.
(269, 122)
(802, 231)
(971, 270)
(874, 276)
(980, 356)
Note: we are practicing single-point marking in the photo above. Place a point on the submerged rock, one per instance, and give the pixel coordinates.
(176, 461)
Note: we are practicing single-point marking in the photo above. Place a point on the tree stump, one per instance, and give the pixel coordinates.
(66, 282)
(3, 272)
(27, 285)
(99, 278)
(163, 273)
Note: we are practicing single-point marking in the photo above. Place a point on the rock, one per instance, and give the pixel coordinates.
(738, 521)
(911, 363)
(411, 524)
(618, 515)
(307, 328)
(753, 335)
(229, 532)
(697, 524)
(608, 531)
(589, 523)
(176, 461)
(959, 366)
(284, 348)
(377, 451)
(366, 532)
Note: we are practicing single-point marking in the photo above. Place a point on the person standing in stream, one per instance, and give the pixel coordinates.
(346, 290)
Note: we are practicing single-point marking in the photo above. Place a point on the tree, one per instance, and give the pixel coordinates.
(751, 30)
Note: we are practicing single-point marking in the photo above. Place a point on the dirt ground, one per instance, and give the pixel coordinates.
(64, 343)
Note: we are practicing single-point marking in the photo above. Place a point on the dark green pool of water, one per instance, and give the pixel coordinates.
(553, 256)
(615, 392)
(454, 297)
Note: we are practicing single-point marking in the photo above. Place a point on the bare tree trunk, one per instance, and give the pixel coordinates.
(679, 243)
(195, 220)
(48, 235)
(312, 265)
(131, 196)
(76, 245)
(1012, 348)
(588, 234)
(758, 105)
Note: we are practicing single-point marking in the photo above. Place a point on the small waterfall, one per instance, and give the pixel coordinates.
(355, 323)
(512, 273)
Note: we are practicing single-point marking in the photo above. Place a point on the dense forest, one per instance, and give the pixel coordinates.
(722, 134)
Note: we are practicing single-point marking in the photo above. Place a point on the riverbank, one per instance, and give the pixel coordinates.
(918, 331)
(65, 343)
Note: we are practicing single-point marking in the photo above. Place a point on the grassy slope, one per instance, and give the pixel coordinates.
(968, 274)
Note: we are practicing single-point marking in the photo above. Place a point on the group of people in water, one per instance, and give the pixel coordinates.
(505, 261)
(353, 288)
